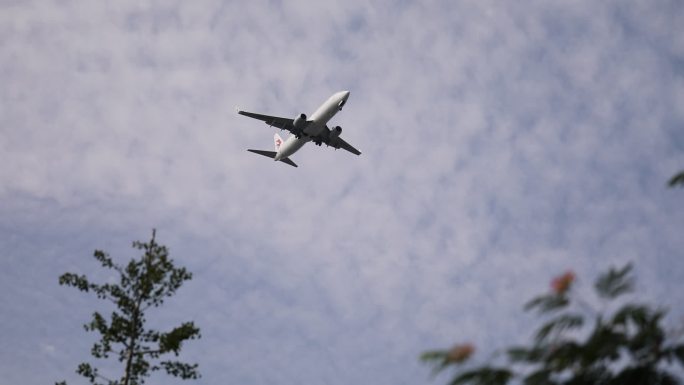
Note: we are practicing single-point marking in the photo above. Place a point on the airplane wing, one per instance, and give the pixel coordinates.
(275, 121)
(335, 142)
(340, 143)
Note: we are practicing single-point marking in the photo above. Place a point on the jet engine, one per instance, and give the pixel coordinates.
(299, 122)
(335, 132)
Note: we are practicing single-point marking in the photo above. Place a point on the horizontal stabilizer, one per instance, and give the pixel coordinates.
(289, 161)
(272, 154)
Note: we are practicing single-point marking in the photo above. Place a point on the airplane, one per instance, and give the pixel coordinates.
(303, 130)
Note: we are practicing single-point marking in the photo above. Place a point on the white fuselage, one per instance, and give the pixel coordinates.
(316, 124)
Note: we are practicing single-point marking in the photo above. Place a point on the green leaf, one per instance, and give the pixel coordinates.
(677, 179)
(78, 281)
(558, 325)
(520, 354)
(172, 341)
(434, 355)
(547, 303)
(484, 376)
(635, 313)
(615, 282)
(644, 374)
(540, 377)
(182, 370)
(679, 353)
(87, 371)
(646, 336)
(563, 355)
(438, 359)
(605, 343)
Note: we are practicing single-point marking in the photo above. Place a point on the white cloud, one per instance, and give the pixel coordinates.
(502, 143)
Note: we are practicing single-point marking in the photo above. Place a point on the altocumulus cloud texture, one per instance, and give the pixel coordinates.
(503, 142)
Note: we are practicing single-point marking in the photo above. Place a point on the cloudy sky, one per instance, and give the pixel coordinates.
(503, 143)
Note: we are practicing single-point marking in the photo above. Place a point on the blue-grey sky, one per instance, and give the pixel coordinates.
(503, 143)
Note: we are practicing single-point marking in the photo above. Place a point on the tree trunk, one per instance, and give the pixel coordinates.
(131, 344)
(129, 361)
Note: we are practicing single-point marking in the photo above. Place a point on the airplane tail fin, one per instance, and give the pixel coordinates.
(272, 154)
(278, 141)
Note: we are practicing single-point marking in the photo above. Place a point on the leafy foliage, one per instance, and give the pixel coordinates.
(677, 180)
(548, 303)
(143, 284)
(558, 325)
(615, 283)
(483, 376)
(442, 359)
(629, 346)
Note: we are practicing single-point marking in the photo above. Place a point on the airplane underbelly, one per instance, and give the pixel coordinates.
(292, 147)
(313, 129)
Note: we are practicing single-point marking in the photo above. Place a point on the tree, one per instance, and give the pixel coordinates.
(143, 284)
(627, 346)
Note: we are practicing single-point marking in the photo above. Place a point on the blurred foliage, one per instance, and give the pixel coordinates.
(143, 284)
(677, 180)
(577, 345)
